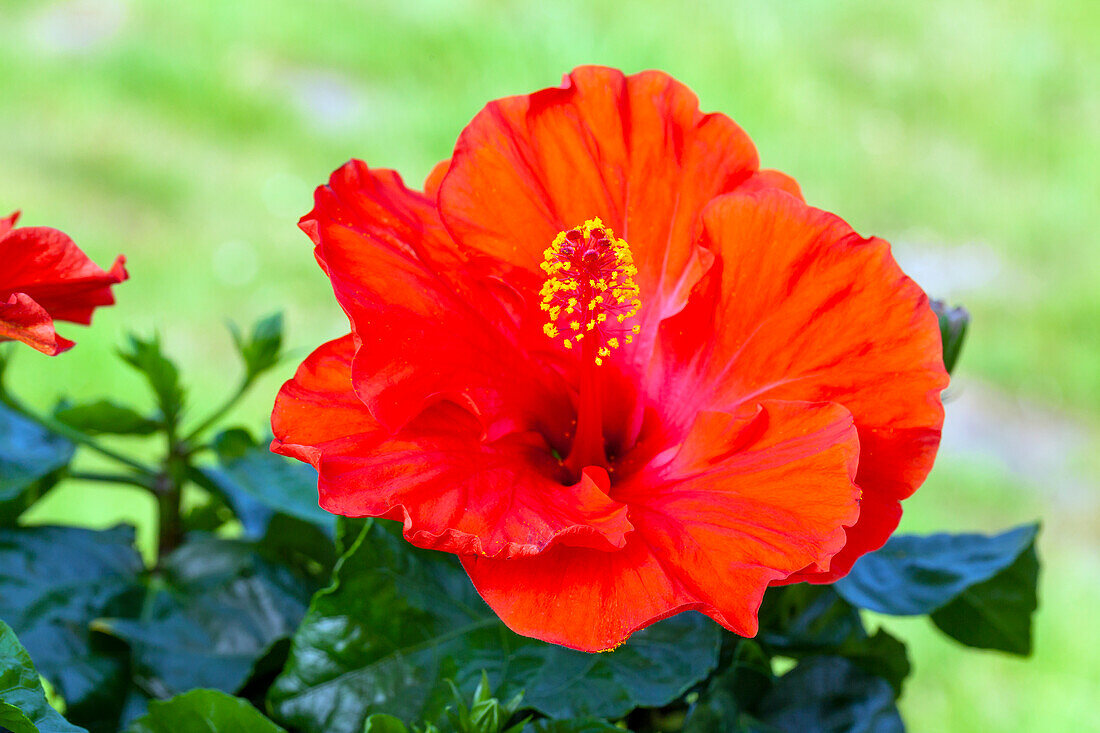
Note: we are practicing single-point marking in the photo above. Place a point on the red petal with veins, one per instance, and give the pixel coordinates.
(744, 501)
(800, 307)
(45, 277)
(427, 329)
(452, 491)
(632, 150)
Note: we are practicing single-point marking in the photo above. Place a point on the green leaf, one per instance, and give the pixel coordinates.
(806, 619)
(398, 621)
(883, 655)
(217, 611)
(23, 705)
(31, 459)
(163, 376)
(276, 500)
(382, 723)
(914, 575)
(724, 703)
(997, 613)
(803, 620)
(830, 695)
(258, 484)
(54, 581)
(104, 416)
(260, 351)
(953, 325)
(233, 443)
(203, 711)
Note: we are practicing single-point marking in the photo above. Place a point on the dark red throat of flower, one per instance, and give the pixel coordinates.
(589, 295)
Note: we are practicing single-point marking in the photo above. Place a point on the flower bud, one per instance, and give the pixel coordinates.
(953, 324)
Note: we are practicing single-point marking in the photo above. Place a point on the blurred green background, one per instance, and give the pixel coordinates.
(190, 135)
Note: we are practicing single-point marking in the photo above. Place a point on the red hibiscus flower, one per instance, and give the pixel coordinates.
(615, 367)
(45, 277)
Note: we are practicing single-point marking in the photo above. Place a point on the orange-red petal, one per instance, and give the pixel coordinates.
(45, 277)
(21, 319)
(744, 501)
(632, 150)
(800, 307)
(428, 327)
(452, 490)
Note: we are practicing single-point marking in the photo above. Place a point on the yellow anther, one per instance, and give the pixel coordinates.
(590, 275)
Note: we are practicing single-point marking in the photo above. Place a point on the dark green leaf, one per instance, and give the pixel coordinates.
(914, 575)
(723, 705)
(23, 705)
(802, 620)
(258, 484)
(260, 351)
(54, 581)
(997, 613)
(399, 621)
(831, 695)
(953, 325)
(203, 711)
(31, 458)
(163, 376)
(233, 443)
(207, 515)
(881, 654)
(104, 416)
(807, 619)
(217, 611)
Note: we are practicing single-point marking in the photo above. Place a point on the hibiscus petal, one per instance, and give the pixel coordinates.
(428, 328)
(634, 151)
(767, 178)
(452, 490)
(46, 278)
(435, 178)
(800, 307)
(21, 319)
(8, 222)
(745, 500)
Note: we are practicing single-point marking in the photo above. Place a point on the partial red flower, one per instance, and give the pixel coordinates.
(45, 277)
(615, 367)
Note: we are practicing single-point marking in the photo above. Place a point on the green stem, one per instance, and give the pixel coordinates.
(220, 412)
(169, 490)
(73, 434)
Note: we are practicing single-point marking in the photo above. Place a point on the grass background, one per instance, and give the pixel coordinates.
(190, 135)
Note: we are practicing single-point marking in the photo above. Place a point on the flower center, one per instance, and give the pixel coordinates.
(588, 296)
(589, 291)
